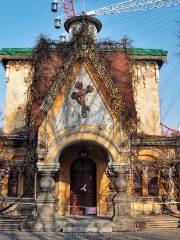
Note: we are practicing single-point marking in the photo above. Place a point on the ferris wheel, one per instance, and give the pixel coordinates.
(122, 7)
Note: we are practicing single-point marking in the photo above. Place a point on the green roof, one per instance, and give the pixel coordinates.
(147, 52)
(16, 51)
(132, 51)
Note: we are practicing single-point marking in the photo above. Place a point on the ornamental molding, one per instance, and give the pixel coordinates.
(167, 142)
(14, 63)
(15, 57)
(23, 65)
(69, 133)
(139, 69)
(163, 59)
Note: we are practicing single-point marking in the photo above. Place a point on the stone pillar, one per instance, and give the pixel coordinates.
(122, 202)
(172, 199)
(20, 185)
(112, 192)
(145, 182)
(46, 219)
(4, 179)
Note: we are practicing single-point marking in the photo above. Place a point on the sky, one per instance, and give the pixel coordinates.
(22, 21)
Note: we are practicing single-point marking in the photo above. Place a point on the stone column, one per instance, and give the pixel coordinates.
(172, 199)
(122, 202)
(111, 193)
(145, 182)
(46, 220)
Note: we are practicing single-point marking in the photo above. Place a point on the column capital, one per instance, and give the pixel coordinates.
(47, 168)
(119, 168)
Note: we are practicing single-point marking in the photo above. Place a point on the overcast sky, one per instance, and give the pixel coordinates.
(22, 21)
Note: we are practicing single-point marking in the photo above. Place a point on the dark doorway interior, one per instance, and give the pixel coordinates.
(83, 187)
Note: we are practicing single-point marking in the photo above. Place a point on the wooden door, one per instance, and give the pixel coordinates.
(83, 187)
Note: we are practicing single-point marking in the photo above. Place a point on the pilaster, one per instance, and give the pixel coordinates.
(46, 219)
(122, 219)
(145, 182)
(111, 193)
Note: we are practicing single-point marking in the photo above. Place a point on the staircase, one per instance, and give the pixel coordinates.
(162, 222)
(85, 224)
(12, 223)
(14, 216)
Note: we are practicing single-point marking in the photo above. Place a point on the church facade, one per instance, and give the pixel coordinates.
(82, 132)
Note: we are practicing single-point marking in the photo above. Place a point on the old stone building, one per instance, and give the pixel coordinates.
(82, 132)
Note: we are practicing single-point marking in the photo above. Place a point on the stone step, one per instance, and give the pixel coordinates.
(163, 225)
(86, 225)
(11, 224)
(7, 227)
(163, 222)
(90, 224)
(166, 223)
(87, 229)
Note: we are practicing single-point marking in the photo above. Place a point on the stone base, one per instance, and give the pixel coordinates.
(42, 226)
(87, 224)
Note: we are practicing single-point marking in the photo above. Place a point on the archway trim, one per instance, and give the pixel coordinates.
(70, 138)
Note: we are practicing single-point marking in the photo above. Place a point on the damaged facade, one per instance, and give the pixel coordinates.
(82, 131)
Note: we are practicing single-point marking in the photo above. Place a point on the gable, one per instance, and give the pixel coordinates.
(117, 104)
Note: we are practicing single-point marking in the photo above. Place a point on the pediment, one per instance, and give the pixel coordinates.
(113, 99)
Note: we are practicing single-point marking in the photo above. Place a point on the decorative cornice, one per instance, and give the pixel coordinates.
(134, 53)
(15, 57)
(148, 57)
(156, 141)
(13, 140)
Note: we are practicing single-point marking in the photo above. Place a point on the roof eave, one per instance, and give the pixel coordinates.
(159, 59)
(5, 58)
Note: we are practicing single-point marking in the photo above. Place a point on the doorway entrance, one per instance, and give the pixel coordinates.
(83, 187)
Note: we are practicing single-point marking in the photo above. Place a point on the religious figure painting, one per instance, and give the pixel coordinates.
(80, 97)
(83, 106)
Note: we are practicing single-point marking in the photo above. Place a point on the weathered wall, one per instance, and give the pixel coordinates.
(18, 78)
(117, 66)
(145, 157)
(145, 79)
(47, 68)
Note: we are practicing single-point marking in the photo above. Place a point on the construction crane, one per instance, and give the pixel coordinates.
(122, 7)
(133, 6)
(68, 6)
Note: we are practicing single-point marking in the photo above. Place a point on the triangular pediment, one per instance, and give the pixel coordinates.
(113, 100)
(83, 105)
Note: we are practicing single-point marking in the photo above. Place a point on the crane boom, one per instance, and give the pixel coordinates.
(133, 6)
(69, 8)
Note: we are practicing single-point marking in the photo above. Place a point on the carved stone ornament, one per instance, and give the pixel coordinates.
(80, 97)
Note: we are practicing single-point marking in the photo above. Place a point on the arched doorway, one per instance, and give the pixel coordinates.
(69, 158)
(83, 187)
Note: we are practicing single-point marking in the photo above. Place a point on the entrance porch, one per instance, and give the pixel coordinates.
(82, 183)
